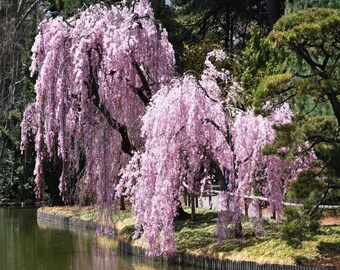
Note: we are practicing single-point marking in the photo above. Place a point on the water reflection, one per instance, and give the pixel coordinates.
(28, 245)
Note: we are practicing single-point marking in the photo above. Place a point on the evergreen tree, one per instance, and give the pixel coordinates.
(310, 83)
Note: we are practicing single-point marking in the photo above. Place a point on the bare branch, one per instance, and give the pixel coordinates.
(26, 14)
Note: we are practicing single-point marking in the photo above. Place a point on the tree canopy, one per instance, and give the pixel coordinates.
(314, 36)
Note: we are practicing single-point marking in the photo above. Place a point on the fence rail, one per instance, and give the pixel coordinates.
(216, 192)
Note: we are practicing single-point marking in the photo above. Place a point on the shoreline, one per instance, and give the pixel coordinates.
(182, 258)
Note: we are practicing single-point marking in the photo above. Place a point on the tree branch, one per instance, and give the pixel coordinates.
(144, 99)
(335, 105)
(306, 56)
(145, 88)
(93, 87)
(26, 14)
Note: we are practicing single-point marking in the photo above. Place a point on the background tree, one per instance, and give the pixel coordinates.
(18, 21)
(258, 60)
(273, 8)
(223, 23)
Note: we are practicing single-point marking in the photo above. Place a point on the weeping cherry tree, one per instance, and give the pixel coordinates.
(97, 71)
(193, 135)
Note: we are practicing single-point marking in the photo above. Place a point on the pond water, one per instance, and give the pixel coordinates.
(26, 244)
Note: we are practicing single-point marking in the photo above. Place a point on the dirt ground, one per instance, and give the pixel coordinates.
(330, 221)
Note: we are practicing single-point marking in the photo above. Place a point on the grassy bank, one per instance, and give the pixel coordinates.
(199, 237)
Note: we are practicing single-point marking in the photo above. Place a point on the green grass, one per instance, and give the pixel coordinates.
(89, 215)
(199, 237)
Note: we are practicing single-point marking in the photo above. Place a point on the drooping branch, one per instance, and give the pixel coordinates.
(145, 97)
(126, 145)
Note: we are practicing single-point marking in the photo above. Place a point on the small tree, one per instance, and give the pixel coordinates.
(194, 134)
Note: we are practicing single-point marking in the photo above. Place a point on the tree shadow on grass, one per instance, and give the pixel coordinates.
(127, 232)
(329, 249)
(330, 256)
(203, 219)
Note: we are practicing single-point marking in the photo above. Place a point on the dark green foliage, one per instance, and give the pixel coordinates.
(297, 226)
(218, 23)
(255, 58)
(318, 129)
(307, 189)
(15, 170)
(312, 35)
(311, 80)
(259, 60)
(224, 19)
